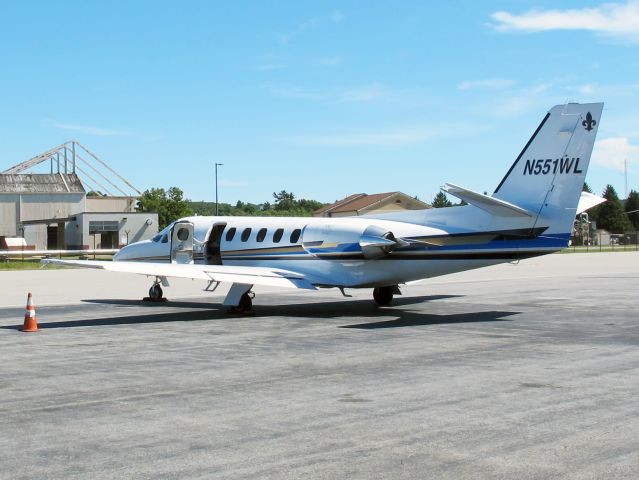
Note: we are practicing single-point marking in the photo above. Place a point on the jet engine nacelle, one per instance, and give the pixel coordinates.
(326, 240)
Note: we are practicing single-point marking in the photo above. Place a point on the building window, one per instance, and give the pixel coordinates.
(230, 234)
(103, 226)
(261, 235)
(277, 236)
(295, 235)
(246, 234)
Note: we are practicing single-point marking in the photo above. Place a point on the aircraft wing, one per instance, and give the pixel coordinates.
(274, 277)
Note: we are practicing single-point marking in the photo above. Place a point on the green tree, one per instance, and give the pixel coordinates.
(586, 188)
(611, 215)
(169, 205)
(309, 205)
(632, 205)
(284, 200)
(441, 201)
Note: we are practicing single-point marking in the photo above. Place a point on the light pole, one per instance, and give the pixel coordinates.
(216, 203)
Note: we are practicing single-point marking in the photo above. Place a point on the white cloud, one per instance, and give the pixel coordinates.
(389, 138)
(586, 89)
(86, 129)
(611, 152)
(486, 83)
(337, 16)
(380, 139)
(299, 93)
(619, 20)
(232, 183)
(334, 17)
(363, 93)
(327, 61)
(522, 100)
(267, 67)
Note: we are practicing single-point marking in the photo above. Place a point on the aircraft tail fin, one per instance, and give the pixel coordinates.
(548, 175)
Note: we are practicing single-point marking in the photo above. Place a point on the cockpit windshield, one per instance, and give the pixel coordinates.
(163, 236)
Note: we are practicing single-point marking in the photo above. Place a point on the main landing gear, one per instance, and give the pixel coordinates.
(245, 306)
(384, 295)
(239, 299)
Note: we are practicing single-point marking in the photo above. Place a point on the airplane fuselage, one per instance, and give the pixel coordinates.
(335, 251)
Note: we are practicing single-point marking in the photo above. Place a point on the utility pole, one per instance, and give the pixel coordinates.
(625, 171)
(216, 202)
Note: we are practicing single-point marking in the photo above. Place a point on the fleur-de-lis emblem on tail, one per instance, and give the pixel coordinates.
(589, 122)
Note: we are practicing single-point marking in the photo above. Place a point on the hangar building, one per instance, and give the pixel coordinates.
(52, 210)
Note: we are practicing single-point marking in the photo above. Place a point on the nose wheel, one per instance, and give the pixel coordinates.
(155, 293)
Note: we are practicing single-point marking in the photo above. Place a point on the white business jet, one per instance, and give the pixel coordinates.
(530, 213)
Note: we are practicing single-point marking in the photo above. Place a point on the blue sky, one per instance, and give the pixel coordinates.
(323, 99)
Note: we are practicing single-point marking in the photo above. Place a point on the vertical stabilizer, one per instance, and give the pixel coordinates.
(548, 175)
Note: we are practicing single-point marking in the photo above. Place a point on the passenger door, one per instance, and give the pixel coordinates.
(182, 243)
(212, 254)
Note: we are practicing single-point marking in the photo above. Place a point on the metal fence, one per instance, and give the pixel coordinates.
(606, 242)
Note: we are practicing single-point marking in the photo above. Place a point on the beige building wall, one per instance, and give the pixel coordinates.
(111, 204)
(8, 204)
(37, 207)
(344, 214)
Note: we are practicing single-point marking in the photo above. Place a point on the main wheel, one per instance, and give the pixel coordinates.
(155, 292)
(383, 295)
(245, 305)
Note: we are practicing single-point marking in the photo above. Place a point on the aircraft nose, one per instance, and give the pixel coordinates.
(124, 253)
(119, 254)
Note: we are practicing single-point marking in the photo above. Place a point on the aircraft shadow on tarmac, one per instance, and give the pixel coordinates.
(334, 310)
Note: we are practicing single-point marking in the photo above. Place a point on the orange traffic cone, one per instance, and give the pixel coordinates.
(30, 322)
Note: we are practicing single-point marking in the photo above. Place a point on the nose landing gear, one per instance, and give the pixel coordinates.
(155, 292)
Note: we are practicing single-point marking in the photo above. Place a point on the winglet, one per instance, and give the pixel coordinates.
(492, 205)
(587, 201)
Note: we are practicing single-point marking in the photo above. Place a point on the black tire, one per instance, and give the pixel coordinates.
(244, 307)
(383, 295)
(246, 304)
(155, 292)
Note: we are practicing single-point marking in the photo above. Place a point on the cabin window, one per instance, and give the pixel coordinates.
(183, 234)
(163, 236)
(246, 234)
(261, 235)
(277, 236)
(295, 235)
(230, 234)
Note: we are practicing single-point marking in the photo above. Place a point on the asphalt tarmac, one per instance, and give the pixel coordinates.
(528, 371)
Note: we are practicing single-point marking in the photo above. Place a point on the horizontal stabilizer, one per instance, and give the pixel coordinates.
(273, 277)
(587, 201)
(492, 205)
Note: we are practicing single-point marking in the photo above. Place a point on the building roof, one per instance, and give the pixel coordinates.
(38, 183)
(360, 202)
(339, 203)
